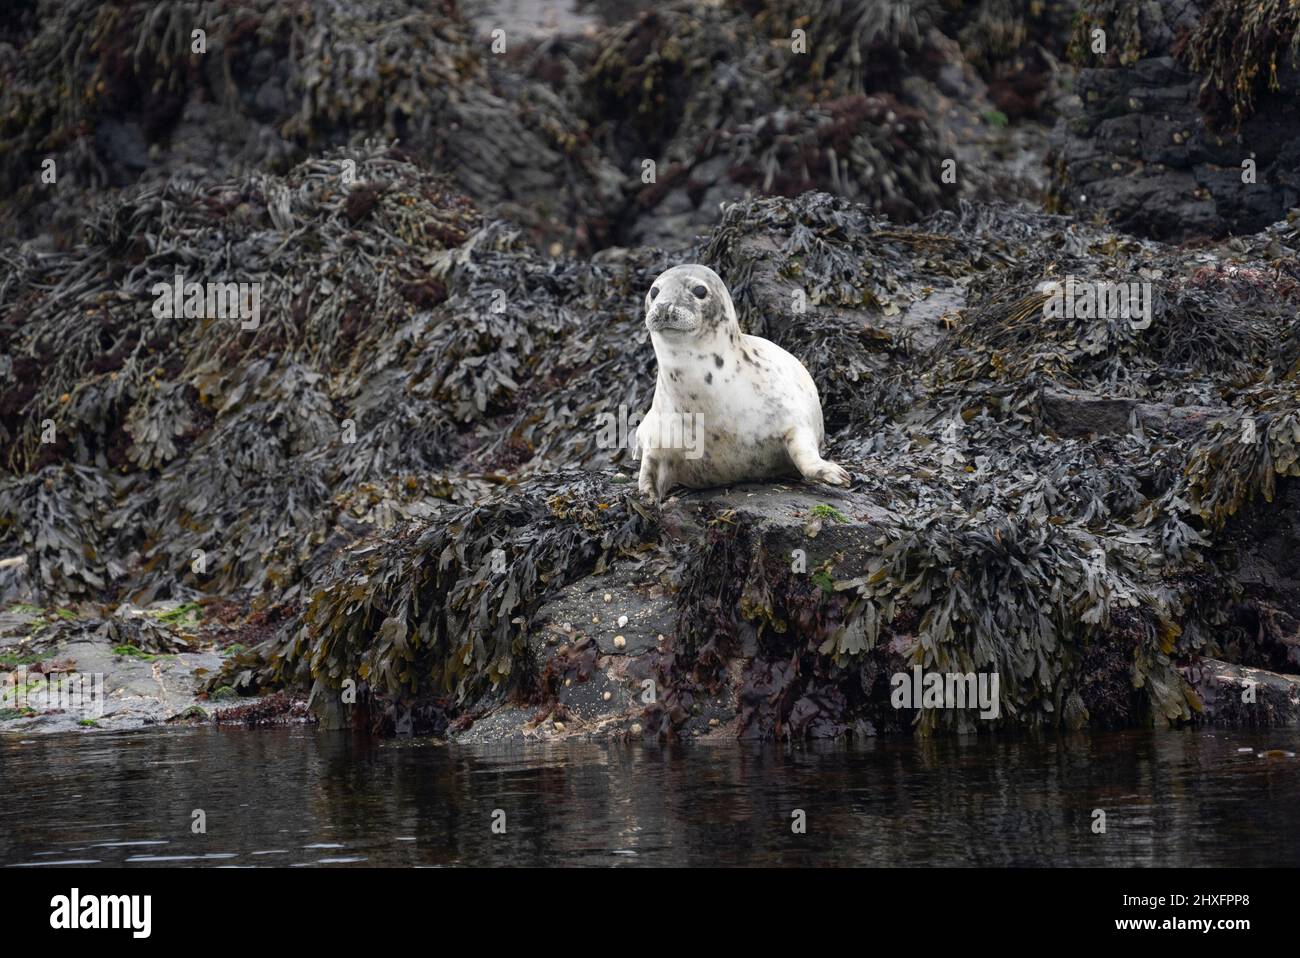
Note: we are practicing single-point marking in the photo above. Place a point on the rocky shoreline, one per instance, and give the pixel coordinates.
(387, 501)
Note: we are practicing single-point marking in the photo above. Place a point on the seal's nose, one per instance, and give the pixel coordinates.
(660, 316)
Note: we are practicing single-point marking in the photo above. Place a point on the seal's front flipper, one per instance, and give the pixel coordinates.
(832, 474)
(802, 449)
(665, 479)
(645, 482)
(656, 476)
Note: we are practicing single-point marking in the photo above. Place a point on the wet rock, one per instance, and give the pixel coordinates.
(123, 146)
(1073, 413)
(1147, 143)
(637, 593)
(819, 522)
(1239, 696)
(116, 689)
(1266, 539)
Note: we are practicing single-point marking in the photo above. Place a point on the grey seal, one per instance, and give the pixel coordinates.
(728, 407)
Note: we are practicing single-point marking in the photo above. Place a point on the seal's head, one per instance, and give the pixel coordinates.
(689, 302)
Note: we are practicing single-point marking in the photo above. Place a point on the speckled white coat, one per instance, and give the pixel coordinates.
(728, 407)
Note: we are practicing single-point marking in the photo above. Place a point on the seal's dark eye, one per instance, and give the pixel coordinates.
(654, 291)
(700, 292)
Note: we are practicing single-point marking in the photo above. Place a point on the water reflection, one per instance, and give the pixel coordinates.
(301, 797)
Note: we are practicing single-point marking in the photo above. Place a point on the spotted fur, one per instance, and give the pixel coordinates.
(760, 418)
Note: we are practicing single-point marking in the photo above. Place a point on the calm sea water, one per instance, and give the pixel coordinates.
(299, 797)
